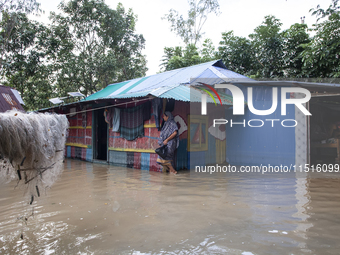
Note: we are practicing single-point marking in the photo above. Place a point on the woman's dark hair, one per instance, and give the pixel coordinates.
(165, 114)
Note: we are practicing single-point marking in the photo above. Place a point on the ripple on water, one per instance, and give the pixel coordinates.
(103, 209)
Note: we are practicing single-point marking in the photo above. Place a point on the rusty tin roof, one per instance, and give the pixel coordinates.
(8, 100)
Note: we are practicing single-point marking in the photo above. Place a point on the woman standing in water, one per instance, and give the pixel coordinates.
(168, 137)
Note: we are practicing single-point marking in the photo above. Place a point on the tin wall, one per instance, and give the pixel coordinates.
(79, 140)
(270, 144)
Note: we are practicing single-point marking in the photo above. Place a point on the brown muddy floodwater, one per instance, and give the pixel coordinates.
(103, 209)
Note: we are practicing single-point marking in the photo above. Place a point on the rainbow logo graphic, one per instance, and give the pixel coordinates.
(208, 92)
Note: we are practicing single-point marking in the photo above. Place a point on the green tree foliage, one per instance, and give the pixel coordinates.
(19, 6)
(208, 52)
(272, 53)
(106, 48)
(269, 53)
(321, 55)
(321, 13)
(10, 14)
(267, 44)
(190, 29)
(176, 57)
(170, 52)
(24, 60)
(237, 53)
(86, 47)
(294, 40)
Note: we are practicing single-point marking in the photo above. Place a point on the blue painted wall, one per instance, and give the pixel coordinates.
(89, 156)
(261, 145)
(145, 161)
(196, 158)
(210, 154)
(68, 151)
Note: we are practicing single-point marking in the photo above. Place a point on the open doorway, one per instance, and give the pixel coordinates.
(100, 135)
(325, 130)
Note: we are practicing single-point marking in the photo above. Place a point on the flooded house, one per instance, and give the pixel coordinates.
(120, 124)
(139, 105)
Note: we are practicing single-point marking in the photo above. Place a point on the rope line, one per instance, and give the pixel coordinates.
(136, 101)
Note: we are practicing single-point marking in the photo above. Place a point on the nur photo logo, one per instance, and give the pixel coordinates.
(238, 103)
(238, 99)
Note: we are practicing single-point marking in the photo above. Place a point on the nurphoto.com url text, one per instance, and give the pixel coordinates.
(263, 169)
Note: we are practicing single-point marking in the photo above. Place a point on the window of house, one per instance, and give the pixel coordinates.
(198, 133)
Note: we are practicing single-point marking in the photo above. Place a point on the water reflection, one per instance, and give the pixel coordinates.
(102, 209)
(324, 208)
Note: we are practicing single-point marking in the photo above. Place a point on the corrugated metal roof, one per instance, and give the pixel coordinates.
(190, 94)
(9, 101)
(167, 84)
(106, 91)
(181, 93)
(17, 95)
(184, 93)
(308, 85)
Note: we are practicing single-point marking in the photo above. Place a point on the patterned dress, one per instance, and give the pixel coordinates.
(168, 129)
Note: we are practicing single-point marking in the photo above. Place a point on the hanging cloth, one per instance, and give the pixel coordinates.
(157, 105)
(147, 110)
(132, 122)
(116, 120)
(170, 105)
